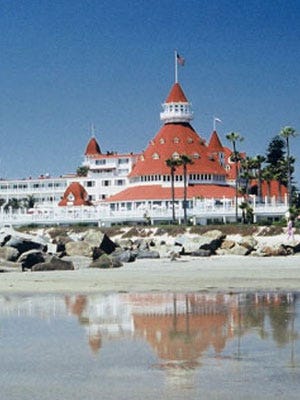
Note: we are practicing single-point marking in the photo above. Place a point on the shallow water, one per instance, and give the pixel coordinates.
(150, 346)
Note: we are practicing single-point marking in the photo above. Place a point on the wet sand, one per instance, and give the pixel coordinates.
(217, 273)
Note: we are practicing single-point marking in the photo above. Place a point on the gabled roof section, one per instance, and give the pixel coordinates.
(75, 195)
(215, 144)
(176, 95)
(92, 148)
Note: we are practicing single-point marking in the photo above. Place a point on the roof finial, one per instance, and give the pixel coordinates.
(93, 129)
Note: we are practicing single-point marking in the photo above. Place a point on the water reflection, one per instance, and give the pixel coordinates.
(184, 331)
(179, 327)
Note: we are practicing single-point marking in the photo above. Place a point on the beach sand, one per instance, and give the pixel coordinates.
(216, 273)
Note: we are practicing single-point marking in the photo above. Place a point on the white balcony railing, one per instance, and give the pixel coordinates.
(103, 215)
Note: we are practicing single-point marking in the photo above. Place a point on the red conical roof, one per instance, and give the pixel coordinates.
(176, 95)
(92, 148)
(215, 144)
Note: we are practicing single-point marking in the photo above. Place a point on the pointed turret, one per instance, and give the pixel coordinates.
(215, 147)
(176, 107)
(92, 148)
(215, 144)
(177, 137)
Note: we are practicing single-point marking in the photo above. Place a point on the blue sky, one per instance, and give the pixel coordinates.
(67, 64)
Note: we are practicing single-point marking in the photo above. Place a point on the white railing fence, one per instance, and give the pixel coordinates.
(201, 212)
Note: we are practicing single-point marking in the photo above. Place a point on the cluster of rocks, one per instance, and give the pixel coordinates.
(94, 249)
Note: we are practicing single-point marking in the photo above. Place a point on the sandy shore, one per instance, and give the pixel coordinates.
(217, 273)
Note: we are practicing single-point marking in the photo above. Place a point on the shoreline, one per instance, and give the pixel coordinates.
(187, 274)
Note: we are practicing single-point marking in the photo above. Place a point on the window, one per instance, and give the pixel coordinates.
(120, 182)
(106, 183)
(100, 162)
(155, 156)
(162, 141)
(123, 160)
(196, 155)
(90, 183)
(176, 140)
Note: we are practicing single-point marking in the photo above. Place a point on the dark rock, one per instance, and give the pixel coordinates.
(201, 253)
(105, 261)
(97, 252)
(24, 245)
(30, 258)
(54, 264)
(147, 254)
(124, 255)
(107, 245)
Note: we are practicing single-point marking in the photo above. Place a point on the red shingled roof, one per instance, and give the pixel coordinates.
(157, 192)
(176, 95)
(215, 144)
(92, 148)
(75, 195)
(176, 138)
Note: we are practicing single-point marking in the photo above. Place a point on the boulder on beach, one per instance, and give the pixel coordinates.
(30, 258)
(105, 261)
(54, 264)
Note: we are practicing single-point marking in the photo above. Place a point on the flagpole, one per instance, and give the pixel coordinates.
(176, 68)
(214, 124)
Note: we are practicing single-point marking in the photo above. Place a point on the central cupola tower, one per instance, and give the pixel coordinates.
(176, 108)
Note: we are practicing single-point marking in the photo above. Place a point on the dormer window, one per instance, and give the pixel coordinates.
(142, 158)
(155, 156)
(175, 156)
(71, 197)
(162, 141)
(190, 140)
(176, 140)
(196, 155)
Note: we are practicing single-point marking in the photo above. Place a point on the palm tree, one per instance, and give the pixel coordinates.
(29, 201)
(172, 163)
(246, 172)
(286, 133)
(268, 175)
(257, 163)
(185, 160)
(234, 137)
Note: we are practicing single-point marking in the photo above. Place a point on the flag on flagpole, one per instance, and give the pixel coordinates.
(217, 119)
(180, 60)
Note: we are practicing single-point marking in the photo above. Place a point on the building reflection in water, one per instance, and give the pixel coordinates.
(180, 328)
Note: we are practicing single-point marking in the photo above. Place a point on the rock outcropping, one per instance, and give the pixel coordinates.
(48, 250)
